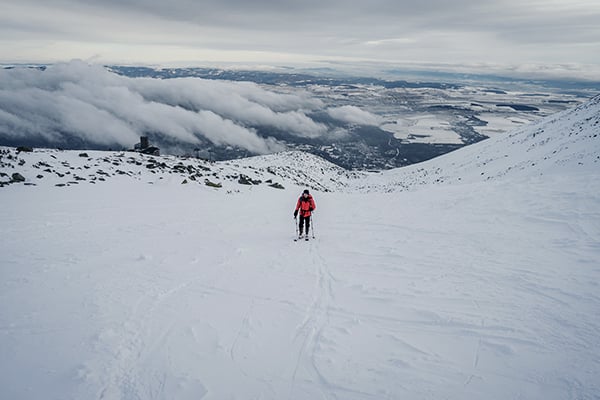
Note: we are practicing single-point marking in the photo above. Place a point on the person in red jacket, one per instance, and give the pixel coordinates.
(305, 205)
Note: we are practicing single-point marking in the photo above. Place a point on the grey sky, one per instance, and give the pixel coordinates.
(561, 36)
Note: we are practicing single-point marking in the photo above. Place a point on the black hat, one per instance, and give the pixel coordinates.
(305, 191)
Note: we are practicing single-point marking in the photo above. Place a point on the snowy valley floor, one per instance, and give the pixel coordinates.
(135, 291)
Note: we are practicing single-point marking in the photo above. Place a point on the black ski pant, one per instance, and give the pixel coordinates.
(304, 220)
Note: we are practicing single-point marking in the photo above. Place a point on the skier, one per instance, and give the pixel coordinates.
(306, 205)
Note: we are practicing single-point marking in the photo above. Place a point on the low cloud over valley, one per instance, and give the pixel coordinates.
(76, 103)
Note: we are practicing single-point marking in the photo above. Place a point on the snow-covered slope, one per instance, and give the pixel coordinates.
(302, 169)
(43, 167)
(125, 283)
(569, 140)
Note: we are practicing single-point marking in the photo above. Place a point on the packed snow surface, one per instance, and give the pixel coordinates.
(472, 276)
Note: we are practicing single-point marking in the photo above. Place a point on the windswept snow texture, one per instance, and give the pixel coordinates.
(480, 282)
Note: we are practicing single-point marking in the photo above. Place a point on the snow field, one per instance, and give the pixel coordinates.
(129, 290)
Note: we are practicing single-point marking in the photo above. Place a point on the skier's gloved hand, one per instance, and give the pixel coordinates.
(310, 209)
(295, 213)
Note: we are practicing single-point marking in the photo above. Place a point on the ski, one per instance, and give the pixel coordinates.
(306, 238)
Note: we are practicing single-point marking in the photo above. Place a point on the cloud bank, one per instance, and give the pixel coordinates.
(354, 115)
(94, 105)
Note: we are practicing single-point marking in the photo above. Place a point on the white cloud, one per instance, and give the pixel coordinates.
(76, 99)
(354, 115)
(246, 103)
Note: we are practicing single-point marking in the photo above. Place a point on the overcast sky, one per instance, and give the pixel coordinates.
(544, 36)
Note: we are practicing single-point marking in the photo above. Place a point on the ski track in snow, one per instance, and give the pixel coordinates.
(440, 297)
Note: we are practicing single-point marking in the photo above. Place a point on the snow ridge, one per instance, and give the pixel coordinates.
(568, 140)
(62, 168)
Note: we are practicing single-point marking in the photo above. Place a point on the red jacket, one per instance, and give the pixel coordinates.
(305, 205)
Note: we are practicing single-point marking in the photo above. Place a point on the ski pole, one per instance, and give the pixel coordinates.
(296, 225)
